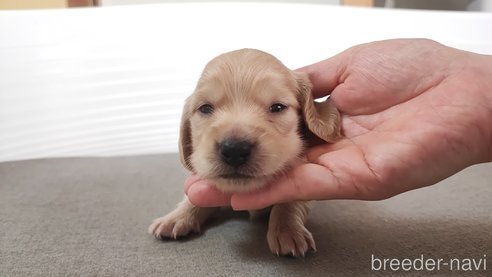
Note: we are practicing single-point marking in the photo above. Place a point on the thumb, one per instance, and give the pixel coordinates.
(326, 75)
(304, 182)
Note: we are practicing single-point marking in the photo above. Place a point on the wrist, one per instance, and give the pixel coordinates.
(480, 67)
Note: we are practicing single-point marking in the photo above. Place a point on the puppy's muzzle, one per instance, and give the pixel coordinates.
(235, 152)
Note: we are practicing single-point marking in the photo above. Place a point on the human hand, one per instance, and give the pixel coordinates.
(413, 113)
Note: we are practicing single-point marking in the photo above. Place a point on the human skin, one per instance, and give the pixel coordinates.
(414, 112)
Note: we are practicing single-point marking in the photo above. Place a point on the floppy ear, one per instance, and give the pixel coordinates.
(321, 118)
(185, 144)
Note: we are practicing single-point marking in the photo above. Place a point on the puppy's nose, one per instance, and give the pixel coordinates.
(235, 152)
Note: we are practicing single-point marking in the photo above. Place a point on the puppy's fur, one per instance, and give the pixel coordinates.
(240, 129)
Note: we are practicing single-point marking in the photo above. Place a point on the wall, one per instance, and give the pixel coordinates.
(32, 4)
(112, 81)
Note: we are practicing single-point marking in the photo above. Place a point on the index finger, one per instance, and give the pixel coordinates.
(304, 182)
(202, 194)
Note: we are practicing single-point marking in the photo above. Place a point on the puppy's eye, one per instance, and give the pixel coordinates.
(206, 109)
(277, 107)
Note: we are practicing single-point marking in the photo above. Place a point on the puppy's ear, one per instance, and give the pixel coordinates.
(185, 144)
(321, 118)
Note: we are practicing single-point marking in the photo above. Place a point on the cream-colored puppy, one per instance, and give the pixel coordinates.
(243, 126)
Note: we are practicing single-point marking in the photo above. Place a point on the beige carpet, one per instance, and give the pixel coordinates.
(88, 217)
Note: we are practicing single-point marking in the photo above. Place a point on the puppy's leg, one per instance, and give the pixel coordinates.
(286, 232)
(186, 218)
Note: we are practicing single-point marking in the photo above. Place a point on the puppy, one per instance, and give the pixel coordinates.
(244, 126)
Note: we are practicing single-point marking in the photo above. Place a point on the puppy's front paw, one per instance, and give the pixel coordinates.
(293, 240)
(174, 226)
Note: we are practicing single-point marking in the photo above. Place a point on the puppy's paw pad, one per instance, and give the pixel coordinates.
(174, 226)
(289, 240)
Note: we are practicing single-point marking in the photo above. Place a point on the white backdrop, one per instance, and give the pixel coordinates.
(111, 81)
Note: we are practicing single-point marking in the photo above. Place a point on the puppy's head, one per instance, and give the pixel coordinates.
(241, 126)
